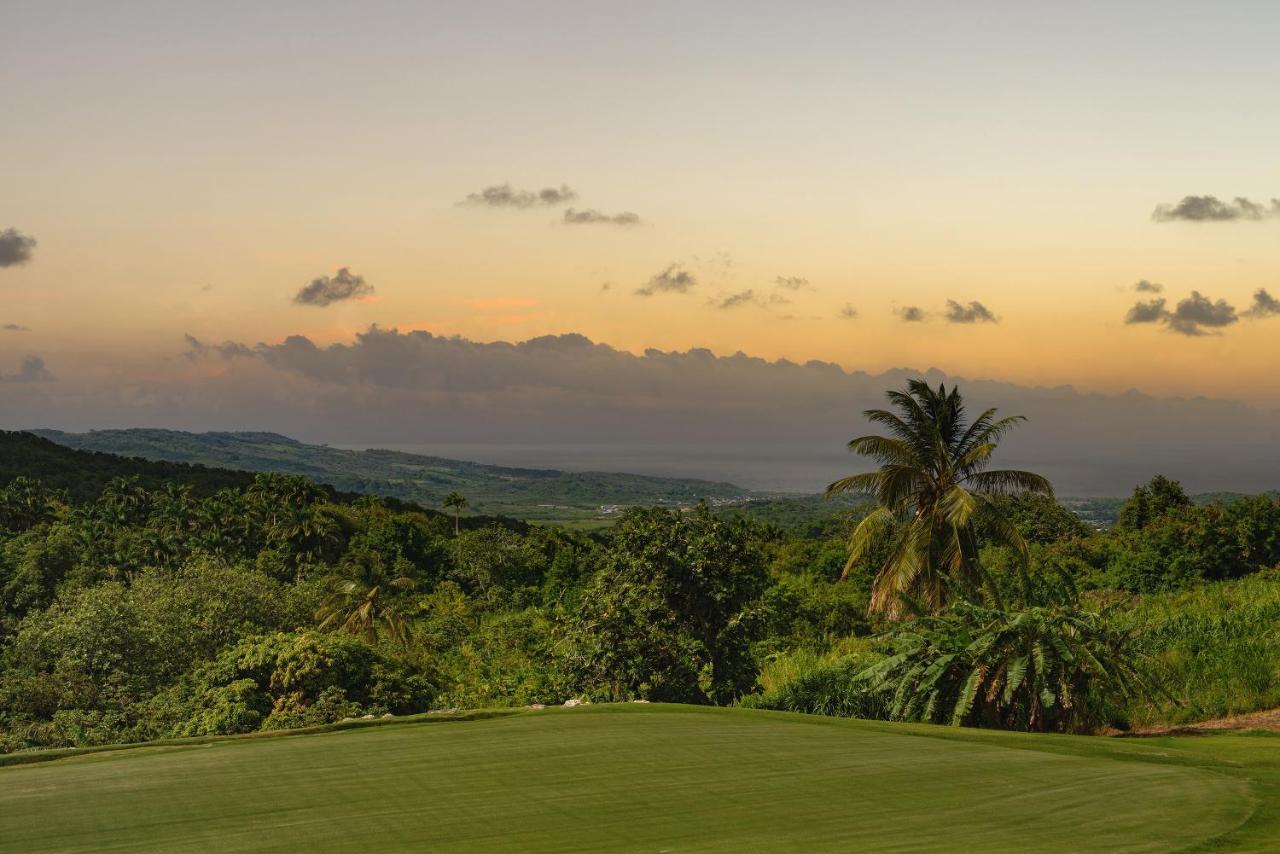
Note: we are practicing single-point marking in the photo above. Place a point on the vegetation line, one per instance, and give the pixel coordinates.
(31, 757)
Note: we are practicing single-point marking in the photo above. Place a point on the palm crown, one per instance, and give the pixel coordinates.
(932, 486)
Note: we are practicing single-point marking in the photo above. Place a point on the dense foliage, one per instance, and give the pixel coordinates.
(200, 602)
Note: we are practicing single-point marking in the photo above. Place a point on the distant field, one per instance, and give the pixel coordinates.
(651, 778)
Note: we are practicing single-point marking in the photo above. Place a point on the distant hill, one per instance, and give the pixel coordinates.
(83, 474)
(519, 492)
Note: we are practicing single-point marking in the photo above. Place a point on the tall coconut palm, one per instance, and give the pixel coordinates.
(456, 501)
(932, 486)
(358, 599)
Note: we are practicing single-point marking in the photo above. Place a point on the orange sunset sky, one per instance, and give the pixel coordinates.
(813, 172)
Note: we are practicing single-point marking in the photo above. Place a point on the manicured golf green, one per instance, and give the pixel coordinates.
(647, 778)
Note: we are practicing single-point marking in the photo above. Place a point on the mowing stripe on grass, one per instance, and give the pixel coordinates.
(655, 778)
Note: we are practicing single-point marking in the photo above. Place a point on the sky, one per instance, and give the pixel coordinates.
(978, 188)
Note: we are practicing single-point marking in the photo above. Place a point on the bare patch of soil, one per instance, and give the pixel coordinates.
(1265, 720)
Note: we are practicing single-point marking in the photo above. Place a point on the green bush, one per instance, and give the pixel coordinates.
(283, 681)
(804, 681)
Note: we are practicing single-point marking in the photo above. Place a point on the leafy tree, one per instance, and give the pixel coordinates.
(932, 487)
(672, 614)
(1039, 519)
(1153, 501)
(497, 565)
(293, 679)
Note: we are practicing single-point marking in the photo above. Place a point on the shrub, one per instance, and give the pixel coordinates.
(284, 680)
(820, 685)
(1042, 662)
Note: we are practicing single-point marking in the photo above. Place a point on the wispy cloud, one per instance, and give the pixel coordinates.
(674, 279)
(791, 283)
(1264, 305)
(741, 298)
(848, 312)
(228, 350)
(974, 312)
(15, 247)
(506, 196)
(1145, 287)
(1213, 209)
(32, 370)
(343, 285)
(594, 217)
(15, 327)
(912, 314)
(750, 296)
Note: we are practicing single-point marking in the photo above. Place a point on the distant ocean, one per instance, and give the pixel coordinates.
(1078, 471)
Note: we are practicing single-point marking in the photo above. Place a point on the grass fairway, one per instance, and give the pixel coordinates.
(651, 778)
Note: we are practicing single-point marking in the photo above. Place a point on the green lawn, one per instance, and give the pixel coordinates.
(652, 778)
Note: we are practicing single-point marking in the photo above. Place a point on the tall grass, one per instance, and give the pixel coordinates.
(820, 684)
(1215, 649)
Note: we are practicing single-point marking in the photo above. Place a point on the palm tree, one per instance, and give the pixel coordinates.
(457, 502)
(357, 601)
(932, 486)
(1042, 663)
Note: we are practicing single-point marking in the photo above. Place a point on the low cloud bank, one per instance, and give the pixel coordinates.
(387, 387)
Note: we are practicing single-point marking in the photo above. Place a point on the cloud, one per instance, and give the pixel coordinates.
(385, 387)
(674, 279)
(1213, 209)
(749, 297)
(228, 350)
(15, 247)
(1195, 316)
(505, 196)
(974, 312)
(32, 370)
(594, 217)
(342, 285)
(15, 327)
(912, 314)
(791, 283)
(1147, 312)
(735, 300)
(1196, 313)
(1264, 304)
(1145, 287)
(848, 312)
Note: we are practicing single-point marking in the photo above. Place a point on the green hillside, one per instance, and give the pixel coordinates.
(500, 490)
(84, 473)
(649, 779)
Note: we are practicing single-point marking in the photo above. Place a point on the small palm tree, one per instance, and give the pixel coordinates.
(456, 501)
(1042, 663)
(932, 486)
(358, 601)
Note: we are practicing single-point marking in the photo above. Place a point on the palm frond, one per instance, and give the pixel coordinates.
(1009, 482)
